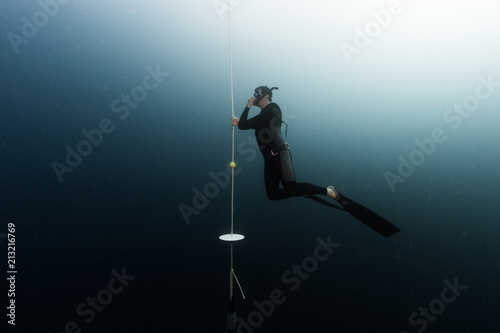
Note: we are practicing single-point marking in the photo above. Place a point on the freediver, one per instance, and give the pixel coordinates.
(278, 167)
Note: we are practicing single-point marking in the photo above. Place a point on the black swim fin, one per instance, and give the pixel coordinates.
(363, 214)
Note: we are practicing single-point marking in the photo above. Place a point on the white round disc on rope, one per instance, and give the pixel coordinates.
(231, 237)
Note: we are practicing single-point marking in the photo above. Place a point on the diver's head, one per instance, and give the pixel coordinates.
(263, 95)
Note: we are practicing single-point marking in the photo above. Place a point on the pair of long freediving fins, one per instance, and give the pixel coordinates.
(360, 212)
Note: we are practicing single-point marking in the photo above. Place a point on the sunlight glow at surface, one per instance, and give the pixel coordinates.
(429, 51)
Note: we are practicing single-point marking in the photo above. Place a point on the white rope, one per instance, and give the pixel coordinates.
(232, 113)
(230, 57)
(231, 274)
(231, 317)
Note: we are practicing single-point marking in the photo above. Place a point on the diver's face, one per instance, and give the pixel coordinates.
(257, 95)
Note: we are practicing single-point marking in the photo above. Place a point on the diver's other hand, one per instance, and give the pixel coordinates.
(250, 102)
(234, 121)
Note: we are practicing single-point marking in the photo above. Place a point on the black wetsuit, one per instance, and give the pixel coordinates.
(277, 158)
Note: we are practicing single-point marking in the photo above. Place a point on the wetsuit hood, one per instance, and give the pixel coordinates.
(262, 91)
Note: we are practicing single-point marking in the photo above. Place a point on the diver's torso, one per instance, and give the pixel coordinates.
(268, 135)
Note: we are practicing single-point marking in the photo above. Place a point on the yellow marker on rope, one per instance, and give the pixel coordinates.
(232, 165)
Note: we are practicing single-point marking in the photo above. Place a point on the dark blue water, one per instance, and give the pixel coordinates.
(115, 138)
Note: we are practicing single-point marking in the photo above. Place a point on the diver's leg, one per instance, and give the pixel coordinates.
(287, 172)
(288, 178)
(298, 189)
(272, 177)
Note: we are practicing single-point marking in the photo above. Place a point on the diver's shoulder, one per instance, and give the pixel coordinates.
(273, 106)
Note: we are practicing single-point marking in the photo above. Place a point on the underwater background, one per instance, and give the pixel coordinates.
(115, 140)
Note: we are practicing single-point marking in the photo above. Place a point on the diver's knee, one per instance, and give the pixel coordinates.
(291, 188)
(272, 196)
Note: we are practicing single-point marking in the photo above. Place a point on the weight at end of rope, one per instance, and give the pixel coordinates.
(231, 321)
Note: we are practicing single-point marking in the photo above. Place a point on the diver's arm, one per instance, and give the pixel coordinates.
(243, 123)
